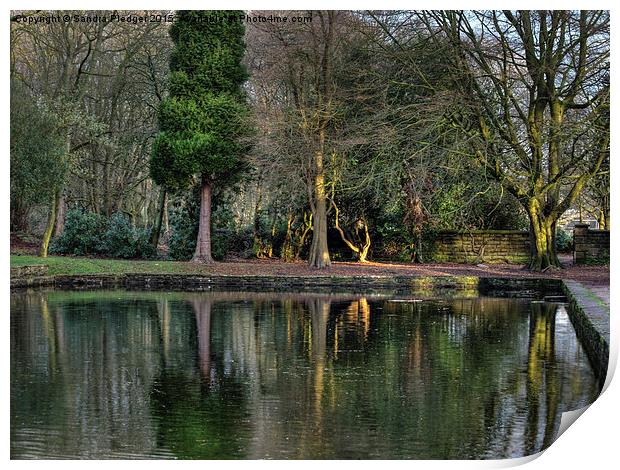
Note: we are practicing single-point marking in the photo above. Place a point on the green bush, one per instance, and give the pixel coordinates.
(220, 243)
(123, 240)
(87, 233)
(183, 232)
(602, 259)
(81, 235)
(563, 241)
(391, 240)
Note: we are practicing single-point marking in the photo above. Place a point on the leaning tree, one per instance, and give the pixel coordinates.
(203, 121)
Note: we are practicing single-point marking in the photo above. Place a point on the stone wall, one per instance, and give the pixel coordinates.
(590, 318)
(28, 270)
(421, 286)
(590, 246)
(482, 246)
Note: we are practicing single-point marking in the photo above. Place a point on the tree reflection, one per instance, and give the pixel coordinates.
(542, 386)
(202, 311)
(218, 375)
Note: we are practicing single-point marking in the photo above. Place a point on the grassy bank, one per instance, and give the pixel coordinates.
(59, 265)
(73, 266)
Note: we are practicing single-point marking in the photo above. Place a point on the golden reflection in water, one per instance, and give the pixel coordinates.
(407, 376)
(319, 311)
(50, 332)
(358, 313)
(541, 385)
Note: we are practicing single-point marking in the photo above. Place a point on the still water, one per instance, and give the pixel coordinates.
(240, 375)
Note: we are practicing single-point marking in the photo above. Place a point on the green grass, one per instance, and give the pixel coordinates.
(72, 266)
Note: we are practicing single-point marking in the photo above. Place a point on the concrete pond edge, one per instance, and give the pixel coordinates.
(590, 318)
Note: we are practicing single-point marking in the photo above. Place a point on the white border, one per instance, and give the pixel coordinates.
(590, 443)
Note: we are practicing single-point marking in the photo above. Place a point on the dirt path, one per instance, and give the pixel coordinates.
(588, 275)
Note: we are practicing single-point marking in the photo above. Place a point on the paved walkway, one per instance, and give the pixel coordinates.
(602, 292)
(590, 317)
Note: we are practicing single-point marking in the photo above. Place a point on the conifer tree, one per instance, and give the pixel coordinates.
(203, 121)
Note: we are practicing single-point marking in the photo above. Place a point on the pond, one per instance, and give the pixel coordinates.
(118, 374)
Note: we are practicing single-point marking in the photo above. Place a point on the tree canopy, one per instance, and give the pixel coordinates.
(344, 135)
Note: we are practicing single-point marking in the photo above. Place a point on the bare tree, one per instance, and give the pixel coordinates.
(300, 65)
(532, 99)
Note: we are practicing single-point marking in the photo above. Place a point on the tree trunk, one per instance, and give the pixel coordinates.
(60, 216)
(272, 239)
(361, 251)
(602, 220)
(19, 216)
(603, 214)
(160, 217)
(287, 252)
(203, 243)
(51, 221)
(166, 220)
(106, 186)
(365, 247)
(542, 236)
(305, 228)
(202, 312)
(319, 252)
(257, 244)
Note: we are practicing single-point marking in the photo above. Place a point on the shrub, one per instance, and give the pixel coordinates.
(241, 243)
(220, 243)
(87, 233)
(563, 241)
(392, 241)
(183, 233)
(81, 234)
(123, 240)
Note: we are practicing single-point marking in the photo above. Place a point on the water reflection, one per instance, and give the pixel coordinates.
(230, 375)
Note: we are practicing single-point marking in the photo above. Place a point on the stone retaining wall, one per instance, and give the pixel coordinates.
(29, 270)
(590, 246)
(482, 246)
(423, 285)
(250, 283)
(590, 317)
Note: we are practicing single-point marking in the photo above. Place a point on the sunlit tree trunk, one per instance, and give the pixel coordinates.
(360, 250)
(603, 214)
(51, 221)
(287, 252)
(319, 252)
(542, 229)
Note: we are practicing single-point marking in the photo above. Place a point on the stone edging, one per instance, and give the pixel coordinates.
(249, 282)
(590, 319)
(518, 287)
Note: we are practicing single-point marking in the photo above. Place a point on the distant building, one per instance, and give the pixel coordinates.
(570, 218)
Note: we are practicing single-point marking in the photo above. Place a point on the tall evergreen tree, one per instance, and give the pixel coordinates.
(203, 121)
